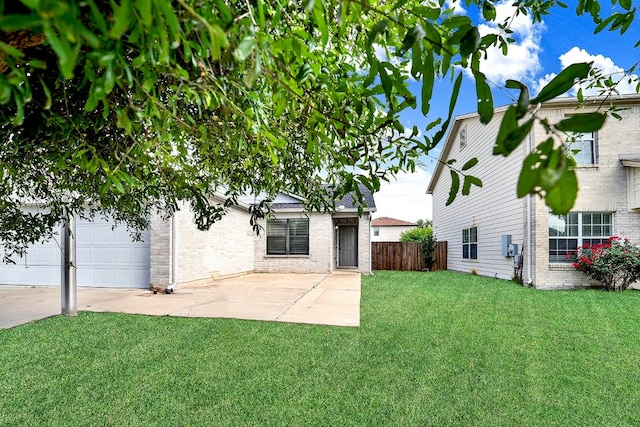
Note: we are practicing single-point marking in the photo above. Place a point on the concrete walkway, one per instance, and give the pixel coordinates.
(325, 299)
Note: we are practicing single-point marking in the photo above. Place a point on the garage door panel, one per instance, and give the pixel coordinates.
(122, 255)
(105, 257)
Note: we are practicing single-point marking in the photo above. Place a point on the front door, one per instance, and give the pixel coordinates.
(348, 246)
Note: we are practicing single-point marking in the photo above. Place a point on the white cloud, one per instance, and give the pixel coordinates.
(406, 197)
(604, 64)
(521, 62)
(457, 7)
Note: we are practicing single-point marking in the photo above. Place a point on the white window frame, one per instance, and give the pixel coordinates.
(577, 141)
(568, 232)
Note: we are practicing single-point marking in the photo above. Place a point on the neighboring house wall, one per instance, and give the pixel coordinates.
(320, 258)
(389, 233)
(602, 188)
(494, 209)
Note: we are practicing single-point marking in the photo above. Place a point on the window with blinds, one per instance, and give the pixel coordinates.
(288, 236)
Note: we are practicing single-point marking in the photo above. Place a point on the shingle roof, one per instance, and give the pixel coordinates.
(347, 202)
(385, 221)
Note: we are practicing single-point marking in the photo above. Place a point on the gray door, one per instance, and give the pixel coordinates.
(348, 246)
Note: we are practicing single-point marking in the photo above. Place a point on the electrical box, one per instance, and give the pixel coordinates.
(512, 250)
(506, 241)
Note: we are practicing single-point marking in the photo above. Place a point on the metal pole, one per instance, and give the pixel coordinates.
(69, 292)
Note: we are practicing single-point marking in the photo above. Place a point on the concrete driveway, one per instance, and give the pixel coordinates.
(325, 299)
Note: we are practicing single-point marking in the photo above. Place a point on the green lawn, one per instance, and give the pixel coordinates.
(434, 349)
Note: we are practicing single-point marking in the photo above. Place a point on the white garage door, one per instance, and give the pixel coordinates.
(105, 257)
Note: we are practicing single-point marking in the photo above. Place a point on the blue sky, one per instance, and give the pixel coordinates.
(541, 51)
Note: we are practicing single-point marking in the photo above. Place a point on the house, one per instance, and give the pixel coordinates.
(387, 229)
(491, 232)
(174, 251)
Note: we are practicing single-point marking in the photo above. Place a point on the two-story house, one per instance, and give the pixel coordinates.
(492, 232)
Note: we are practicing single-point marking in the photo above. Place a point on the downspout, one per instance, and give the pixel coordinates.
(528, 253)
(174, 255)
(370, 255)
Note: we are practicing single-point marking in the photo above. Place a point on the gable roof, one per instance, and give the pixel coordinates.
(347, 204)
(385, 221)
(554, 103)
(349, 201)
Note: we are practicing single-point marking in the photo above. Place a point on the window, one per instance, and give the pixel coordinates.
(568, 232)
(288, 237)
(376, 231)
(463, 137)
(583, 146)
(470, 243)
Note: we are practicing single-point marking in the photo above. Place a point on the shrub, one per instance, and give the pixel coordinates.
(615, 264)
(425, 238)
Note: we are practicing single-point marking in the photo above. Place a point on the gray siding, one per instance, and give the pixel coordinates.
(494, 209)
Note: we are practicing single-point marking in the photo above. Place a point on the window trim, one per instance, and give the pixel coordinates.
(287, 238)
(376, 231)
(579, 238)
(470, 246)
(579, 137)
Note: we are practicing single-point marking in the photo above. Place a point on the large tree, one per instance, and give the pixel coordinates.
(133, 106)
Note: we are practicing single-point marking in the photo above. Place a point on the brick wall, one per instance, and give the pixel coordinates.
(160, 253)
(364, 244)
(225, 249)
(602, 188)
(320, 258)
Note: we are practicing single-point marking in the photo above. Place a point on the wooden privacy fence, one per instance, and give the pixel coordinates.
(405, 256)
(440, 257)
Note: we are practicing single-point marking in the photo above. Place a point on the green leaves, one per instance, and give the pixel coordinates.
(428, 80)
(455, 186)
(562, 82)
(547, 171)
(121, 18)
(583, 122)
(245, 48)
(485, 98)
(155, 102)
(467, 183)
(511, 133)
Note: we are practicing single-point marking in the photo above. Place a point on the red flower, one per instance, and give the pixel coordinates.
(576, 265)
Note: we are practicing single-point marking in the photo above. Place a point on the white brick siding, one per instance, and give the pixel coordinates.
(601, 189)
(160, 253)
(231, 247)
(364, 244)
(319, 259)
(225, 249)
